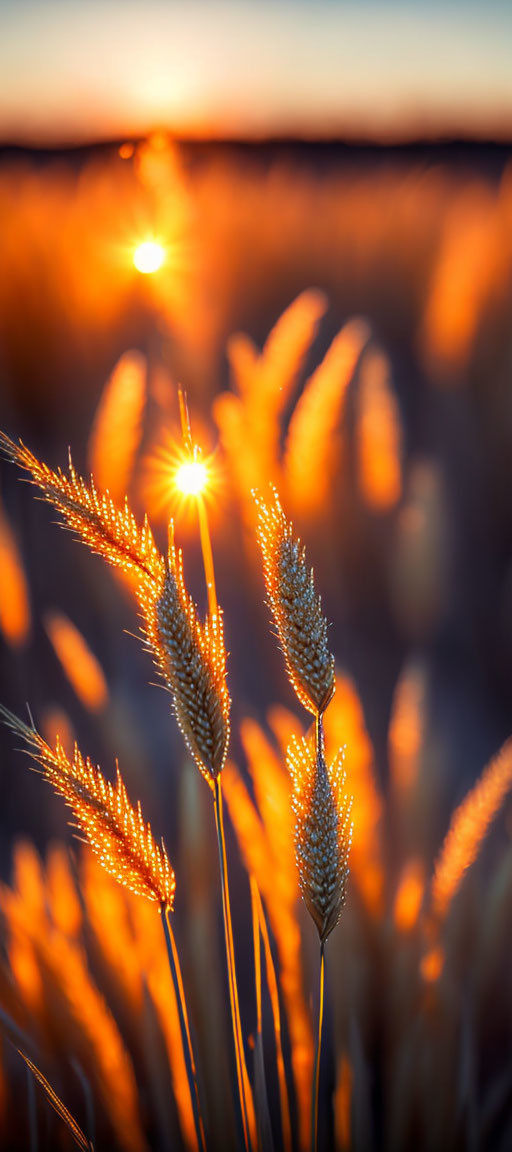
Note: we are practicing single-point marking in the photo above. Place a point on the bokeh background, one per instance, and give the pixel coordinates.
(345, 173)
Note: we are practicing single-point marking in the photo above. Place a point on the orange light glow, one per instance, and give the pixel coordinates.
(149, 257)
(432, 965)
(14, 599)
(78, 662)
(409, 896)
(468, 828)
(406, 730)
(118, 425)
(343, 1103)
(175, 481)
(191, 477)
(345, 724)
(379, 438)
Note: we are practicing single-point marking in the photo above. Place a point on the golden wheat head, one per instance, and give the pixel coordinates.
(116, 832)
(296, 607)
(110, 531)
(192, 658)
(323, 831)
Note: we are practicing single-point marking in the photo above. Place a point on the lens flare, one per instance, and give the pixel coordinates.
(191, 477)
(149, 257)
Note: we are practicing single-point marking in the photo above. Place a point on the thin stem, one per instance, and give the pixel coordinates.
(257, 953)
(206, 549)
(174, 965)
(32, 1112)
(186, 431)
(318, 1049)
(276, 1013)
(241, 1071)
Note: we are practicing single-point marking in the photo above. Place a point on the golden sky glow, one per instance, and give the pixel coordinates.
(87, 69)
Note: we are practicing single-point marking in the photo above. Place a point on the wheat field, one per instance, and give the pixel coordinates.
(281, 918)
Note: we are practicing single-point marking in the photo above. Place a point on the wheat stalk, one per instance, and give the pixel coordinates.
(296, 607)
(322, 844)
(117, 833)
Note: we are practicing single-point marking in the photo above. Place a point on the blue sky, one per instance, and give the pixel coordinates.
(87, 68)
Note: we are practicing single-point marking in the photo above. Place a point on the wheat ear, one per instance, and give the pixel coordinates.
(322, 831)
(110, 531)
(117, 833)
(322, 844)
(190, 655)
(192, 659)
(126, 848)
(296, 607)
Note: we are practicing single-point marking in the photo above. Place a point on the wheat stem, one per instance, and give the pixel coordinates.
(174, 965)
(206, 549)
(32, 1112)
(276, 1013)
(318, 1049)
(241, 1074)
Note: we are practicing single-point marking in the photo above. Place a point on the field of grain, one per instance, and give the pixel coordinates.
(339, 323)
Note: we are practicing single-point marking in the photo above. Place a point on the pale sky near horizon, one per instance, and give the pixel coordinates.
(87, 69)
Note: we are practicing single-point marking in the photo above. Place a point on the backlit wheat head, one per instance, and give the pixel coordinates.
(296, 607)
(110, 531)
(323, 831)
(192, 659)
(191, 656)
(116, 832)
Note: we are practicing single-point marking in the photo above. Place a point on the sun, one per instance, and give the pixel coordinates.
(191, 477)
(149, 257)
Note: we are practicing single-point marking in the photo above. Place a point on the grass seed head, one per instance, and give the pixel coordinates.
(192, 658)
(323, 831)
(296, 607)
(117, 833)
(110, 531)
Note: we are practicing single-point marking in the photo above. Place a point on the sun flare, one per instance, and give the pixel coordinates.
(191, 477)
(149, 257)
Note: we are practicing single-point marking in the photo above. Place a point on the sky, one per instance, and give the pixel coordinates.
(91, 69)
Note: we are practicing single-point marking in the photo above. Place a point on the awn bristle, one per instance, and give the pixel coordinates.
(116, 832)
(110, 531)
(323, 831)
(192, 659)
(296, 608)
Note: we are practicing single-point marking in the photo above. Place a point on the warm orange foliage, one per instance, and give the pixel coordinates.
(117, 428)
(344, 725)
(409, 895)
(432, 965)
(81, 667)
(14, 597)
(263, 382)
(469, 263)
(313, 446)
(468, 827)
(406, 730)
(379, 434)
(115, 830)
(44, 956)
(343, 1104)
(64, 906)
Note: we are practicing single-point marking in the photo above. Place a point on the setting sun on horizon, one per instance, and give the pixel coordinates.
(84, 71)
